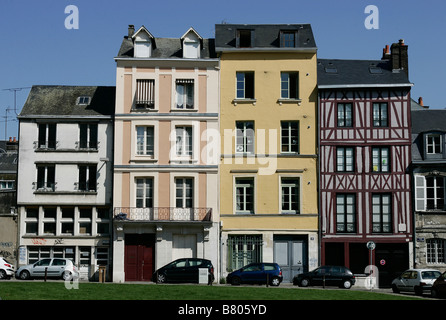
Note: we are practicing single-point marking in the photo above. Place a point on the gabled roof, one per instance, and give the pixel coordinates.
(339, 73)
(191, 29)
(61, 101)
(142, 29)
(428, 120)
(265, 36)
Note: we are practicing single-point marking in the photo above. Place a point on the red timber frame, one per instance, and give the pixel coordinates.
(362, 136)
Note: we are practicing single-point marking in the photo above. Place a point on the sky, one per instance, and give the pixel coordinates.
(45, 42)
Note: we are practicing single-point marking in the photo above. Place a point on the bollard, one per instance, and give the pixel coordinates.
(46, 273)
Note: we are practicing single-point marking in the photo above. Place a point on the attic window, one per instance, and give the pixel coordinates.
(287, 39)
(375, 70)
(244, 38)
(83, 101)
(331, 68)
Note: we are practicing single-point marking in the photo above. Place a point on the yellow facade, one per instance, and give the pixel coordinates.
(268, 167)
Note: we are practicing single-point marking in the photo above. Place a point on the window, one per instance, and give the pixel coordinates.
(88, 138)
(345, 213)
(83, 100)
(290, 195)
(145, 141)
(144, 193)
(67, 220)
(435, 192)
(87, 178)
(6, 184)
(143, 49)
(244, 38)
(191, 49)
(290, 136)
(46, 177)
(289, 85)
(244, 137)
(433, 144)
(287, 39)
(436, 250)
(382, 213)
(184, 141)
(345, 115)
(380, 114)
(245, 85)
(31, 220)
(345, 159)
(47, 136)
(381, 159)
(85, 218)
(244, 195)
(184, 192)
(49, 220)
(145, 94)
(185, 93)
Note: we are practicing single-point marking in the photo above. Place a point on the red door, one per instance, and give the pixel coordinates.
(139, 257)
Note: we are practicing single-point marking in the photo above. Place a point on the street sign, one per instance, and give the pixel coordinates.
(382, 262)
(371, 245)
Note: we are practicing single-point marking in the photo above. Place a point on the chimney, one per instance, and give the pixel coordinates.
(399, 57)
(420, 101)
(131, 30)
(386, 53)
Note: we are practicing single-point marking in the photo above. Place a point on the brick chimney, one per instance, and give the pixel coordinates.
(399, 57)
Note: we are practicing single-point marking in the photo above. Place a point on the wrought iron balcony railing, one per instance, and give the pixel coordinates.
(162, 214)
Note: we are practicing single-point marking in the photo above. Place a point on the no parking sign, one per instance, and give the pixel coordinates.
(382, 262)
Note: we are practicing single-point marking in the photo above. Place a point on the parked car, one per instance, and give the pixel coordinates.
(52, 267)
(326, 276)
(439, 287)
(6, 269)
(415, 280)
(256, 273)
(183, 270)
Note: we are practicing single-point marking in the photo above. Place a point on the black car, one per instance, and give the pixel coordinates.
(326, 276)
(183, 270)
(256, 273)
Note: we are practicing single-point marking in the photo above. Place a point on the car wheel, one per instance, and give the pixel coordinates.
(3, 274)
(346, 284)
(418, 291)
(395, 289)
(66, 275)
(24, 275)
(236, 281)
(434, 293)
(161, 278)
(275, 281)
(304, 282)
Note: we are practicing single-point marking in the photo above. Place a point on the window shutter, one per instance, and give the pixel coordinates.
(420, 193)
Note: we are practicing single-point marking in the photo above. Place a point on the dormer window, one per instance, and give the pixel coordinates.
(245, 38)
(433, 143)
(191, 42)
(287, 39)
(143, 43)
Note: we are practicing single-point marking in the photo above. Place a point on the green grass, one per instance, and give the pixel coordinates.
(39, 290)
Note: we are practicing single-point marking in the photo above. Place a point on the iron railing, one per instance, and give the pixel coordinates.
(162, 214)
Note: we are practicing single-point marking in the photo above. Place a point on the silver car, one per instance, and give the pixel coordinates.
(49, 267)
(415, 280)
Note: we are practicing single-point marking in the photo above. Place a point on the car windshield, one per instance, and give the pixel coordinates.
(6, 261)
(44, 262)
(430, 274)
(253, 267)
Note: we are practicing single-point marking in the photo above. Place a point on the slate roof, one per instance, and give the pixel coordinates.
(358, 73)
(167, 48)
(62, 101)
(266, 36)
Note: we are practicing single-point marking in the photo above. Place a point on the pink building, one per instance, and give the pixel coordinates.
(166, 168)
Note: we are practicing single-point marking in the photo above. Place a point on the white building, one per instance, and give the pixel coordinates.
(65, 176)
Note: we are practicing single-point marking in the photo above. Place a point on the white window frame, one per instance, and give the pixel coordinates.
(244, 186)
(144, 195)
(431, 144)
(245, 147)
(145, 148)
(283, 184)
(287, 129)
(345, 162)
(182, 97)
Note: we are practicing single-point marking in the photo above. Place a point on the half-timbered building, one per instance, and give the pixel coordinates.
(365, 143)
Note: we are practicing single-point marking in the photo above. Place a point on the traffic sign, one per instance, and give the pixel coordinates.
(371, 245)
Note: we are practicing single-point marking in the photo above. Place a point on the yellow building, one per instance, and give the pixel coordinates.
(268, 126)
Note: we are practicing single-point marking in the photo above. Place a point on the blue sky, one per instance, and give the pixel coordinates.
(38, 49)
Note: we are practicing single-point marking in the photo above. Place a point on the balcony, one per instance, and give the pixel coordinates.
(163, 214)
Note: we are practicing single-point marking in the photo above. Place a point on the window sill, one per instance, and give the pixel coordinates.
(289, 101)
(183, 110)
(143, 110)
(244, 101)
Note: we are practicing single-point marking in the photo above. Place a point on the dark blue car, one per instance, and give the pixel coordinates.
(256, 273)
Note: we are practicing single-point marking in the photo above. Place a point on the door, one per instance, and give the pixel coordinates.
(139, 257)
(253, 273)
(289, 254)
(38, 270)
(56, 268)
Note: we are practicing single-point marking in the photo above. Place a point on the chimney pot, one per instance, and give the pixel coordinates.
(10, 139)
(420, 101)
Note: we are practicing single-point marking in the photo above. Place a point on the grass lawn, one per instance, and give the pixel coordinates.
(56, 290)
